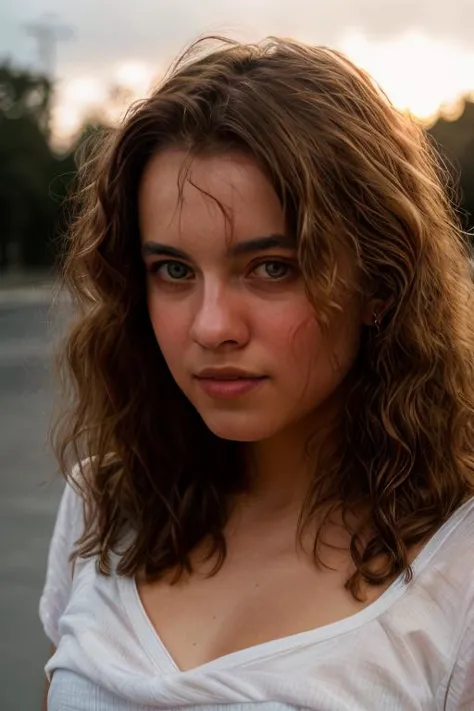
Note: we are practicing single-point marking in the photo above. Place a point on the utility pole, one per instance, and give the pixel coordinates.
(47, 33)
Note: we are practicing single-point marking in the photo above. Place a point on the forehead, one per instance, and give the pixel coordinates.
(223, 194)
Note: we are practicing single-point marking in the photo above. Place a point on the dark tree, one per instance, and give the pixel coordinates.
(455, 140)
(31, 189)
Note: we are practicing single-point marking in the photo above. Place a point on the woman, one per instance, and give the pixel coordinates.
(273, 371)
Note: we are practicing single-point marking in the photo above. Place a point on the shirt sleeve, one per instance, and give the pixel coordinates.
(59, 570)
(460, 693)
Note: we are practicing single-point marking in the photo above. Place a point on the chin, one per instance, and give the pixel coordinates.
(238, 427)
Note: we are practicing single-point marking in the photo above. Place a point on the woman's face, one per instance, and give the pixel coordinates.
(227, 301)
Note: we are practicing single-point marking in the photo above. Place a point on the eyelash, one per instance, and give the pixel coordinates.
(156, 267)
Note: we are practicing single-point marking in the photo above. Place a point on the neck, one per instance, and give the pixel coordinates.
(281, 468)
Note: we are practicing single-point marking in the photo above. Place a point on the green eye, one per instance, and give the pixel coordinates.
(276, 270)
(170, 270)
(273, 270)
(176, 270)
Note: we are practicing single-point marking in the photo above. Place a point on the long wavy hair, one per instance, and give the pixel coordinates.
(351, 171)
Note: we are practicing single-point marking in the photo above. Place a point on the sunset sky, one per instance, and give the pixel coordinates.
(422, 53)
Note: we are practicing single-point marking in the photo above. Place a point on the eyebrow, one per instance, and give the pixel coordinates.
(257, 244)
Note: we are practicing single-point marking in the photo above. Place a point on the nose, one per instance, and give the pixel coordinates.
(219, 320)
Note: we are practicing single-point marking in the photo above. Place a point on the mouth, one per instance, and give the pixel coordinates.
(227, 374)
(225, 384)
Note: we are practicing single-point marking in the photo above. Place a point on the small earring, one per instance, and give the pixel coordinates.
(376, 322)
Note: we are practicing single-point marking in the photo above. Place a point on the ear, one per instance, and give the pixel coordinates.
(372, 308)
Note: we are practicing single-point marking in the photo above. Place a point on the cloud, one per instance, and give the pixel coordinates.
(156, 30)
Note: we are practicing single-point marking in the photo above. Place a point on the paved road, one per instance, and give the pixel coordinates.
(29, 491)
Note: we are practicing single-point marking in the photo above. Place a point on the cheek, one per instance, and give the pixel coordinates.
(317, 356)
(306, 347)
(295, 343)
(295, 333)
(170, 330)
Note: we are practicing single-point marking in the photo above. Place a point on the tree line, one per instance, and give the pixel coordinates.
(34, 180)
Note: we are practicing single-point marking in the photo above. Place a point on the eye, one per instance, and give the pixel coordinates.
(171, 270)
(274, 270)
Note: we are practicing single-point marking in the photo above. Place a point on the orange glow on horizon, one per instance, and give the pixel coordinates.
(420, 74)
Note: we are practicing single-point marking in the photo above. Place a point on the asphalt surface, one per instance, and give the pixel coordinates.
(29, 489)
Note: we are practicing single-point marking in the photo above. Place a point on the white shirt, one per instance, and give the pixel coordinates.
(412, 649)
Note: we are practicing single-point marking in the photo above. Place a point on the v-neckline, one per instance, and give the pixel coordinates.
(166, 665)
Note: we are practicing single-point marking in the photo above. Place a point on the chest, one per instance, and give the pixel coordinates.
(262, 592)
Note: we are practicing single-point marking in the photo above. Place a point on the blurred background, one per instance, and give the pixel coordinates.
(68, 69)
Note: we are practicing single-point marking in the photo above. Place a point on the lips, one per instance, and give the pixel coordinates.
(228, 383)
(229, 373)
(230, 377)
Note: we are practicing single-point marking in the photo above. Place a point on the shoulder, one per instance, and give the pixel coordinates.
(70, 514)
(454, 566)
(444, 570)
(453, 545)
(451, 549)
(68, 528)
(441, 591)
(79, 484)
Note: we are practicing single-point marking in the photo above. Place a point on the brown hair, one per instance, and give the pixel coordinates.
(350, 170)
